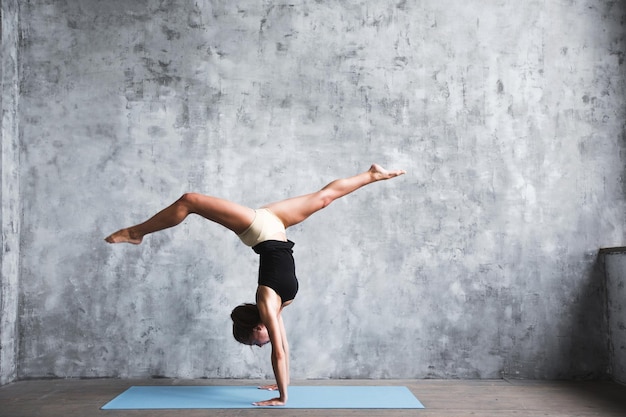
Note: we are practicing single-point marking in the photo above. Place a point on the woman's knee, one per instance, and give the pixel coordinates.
(325, 197)
(188, 201)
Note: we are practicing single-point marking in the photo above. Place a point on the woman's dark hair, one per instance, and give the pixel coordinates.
(245, 318)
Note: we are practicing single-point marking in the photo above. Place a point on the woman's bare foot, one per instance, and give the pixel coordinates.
(123, 236)
(380, 173)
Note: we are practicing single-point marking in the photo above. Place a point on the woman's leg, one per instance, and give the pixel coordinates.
(230, 215)
(294, 210)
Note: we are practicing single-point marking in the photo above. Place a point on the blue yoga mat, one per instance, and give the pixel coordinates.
(186, 397)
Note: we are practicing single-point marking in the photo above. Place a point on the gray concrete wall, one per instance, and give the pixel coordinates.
(479, 263)
(615, 265)
(9, 190)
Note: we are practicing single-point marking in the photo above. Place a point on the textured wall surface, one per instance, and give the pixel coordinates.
(9, 190)
(479, 263)
(615, 265)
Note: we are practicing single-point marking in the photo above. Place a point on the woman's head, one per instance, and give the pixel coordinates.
(247, 326)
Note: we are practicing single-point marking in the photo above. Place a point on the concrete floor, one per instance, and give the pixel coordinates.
(457, 398)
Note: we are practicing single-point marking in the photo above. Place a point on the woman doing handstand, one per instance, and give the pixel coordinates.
(264, 230)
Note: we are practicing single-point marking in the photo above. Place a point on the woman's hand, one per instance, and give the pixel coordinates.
(271, 387)
(272, 402)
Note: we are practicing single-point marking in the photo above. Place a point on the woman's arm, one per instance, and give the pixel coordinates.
(273, 387)
(269, 304)
(285, 344)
